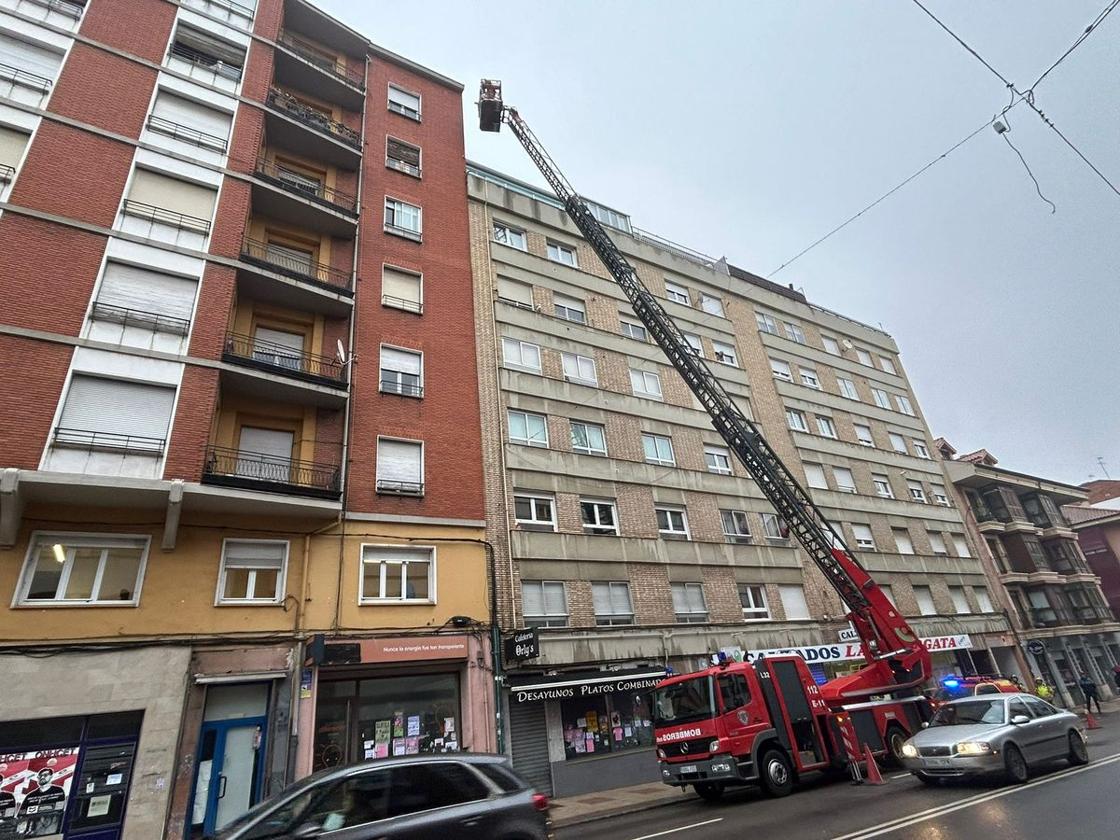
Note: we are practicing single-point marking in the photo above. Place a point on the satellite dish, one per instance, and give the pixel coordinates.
(847, 344)
(340, 352)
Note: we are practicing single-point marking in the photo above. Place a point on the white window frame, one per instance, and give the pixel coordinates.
(598, 527)
(588, 450)
(769, 519)
(826, 427)
(795, 419)
(794, 332)
(579, 363)
(558, 252)
(628, 328)
(860, 439)
(882, 484)
(678, 293)
(508, 231)
(725, 354)
(79, 540)
(954, 592)
(881, 397)
(842, 483)
(534, 522)
(847, 388)
(816, 471)
(781, 369)
(548, 618)
(809, 378)
(569, 309)
(526, 441)
(800, 589)
(894, 443)
(939, 494)
(377, 469)
(831, 345)
(671, 461)
(400, 230)
(366, 601)
(767, 323)
(281, 577)
(916, 493)
(404, 111)
(672, 532)
(712, 455)
(983, 599)
(921, 589)
(712, 305)
(400, 390)
(695, 344)
(937, 543)
(906, 548)
(960, 545)
(612, 618)
(394, 302)
(690, 616)
(518, 362)
(736, 536)
(920, 448)
(645, 377)
(904, 405)
(401, 165)
(759, 609)
(887, 365)
(864, 536)
(864, 357)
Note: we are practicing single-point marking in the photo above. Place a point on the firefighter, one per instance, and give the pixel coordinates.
(1043, 690)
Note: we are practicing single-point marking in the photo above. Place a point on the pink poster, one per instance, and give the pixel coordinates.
(34, 787)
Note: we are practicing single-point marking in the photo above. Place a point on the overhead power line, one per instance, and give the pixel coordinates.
(957, 38)
(1080, 40)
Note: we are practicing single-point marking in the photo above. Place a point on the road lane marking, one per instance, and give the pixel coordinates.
(901, 776)
(931, 813)
(681, 828)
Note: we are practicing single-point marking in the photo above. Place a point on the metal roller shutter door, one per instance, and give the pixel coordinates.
(529, 743)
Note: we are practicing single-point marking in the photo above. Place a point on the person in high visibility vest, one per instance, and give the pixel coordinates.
(1043, 690)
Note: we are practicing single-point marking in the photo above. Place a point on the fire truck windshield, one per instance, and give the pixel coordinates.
(683, 702)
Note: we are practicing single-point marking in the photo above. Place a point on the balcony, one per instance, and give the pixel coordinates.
(7, 173)
(24, 79)
(1049, 617)
(67, 8)
(258, 471)
(262, 254)
(302, 201)
(88, 441)
(205, 61)
(310, 52)
(150, 321)
(157, 215)
(253, 352)
(306, 187)
(1093, 615)
(303, 65)
(186, 134)
(292, 125)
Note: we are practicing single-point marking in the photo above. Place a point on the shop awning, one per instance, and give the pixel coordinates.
(248, 676)
(582, 683)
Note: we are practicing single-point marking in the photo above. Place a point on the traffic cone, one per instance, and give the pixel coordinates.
(874, 777)
(1090, 721)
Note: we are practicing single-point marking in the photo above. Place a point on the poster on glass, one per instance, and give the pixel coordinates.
(34, 787)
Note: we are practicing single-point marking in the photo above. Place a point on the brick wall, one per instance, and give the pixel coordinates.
(32, 374)
(81, 92)
(115, 23)
(194, 414)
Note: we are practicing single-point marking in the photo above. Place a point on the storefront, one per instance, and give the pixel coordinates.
(373, 698)
(580, 731)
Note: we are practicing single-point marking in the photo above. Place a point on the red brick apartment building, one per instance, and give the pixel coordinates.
(240, 459)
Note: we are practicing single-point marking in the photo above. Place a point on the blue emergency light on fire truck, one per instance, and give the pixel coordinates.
(765, 722)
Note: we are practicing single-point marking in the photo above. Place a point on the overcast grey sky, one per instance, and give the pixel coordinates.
(751, 129)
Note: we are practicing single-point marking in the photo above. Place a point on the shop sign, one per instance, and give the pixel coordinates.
(1036, 647)
(593, 684)
(522, 645)
(848, 634)
(848, 651)
(411, 648)
(34, 787)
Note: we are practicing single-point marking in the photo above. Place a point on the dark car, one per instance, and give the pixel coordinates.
(458, 796)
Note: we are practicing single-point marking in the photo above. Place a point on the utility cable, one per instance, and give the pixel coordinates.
(1037, 188)
(957, 38)
(1077, 43)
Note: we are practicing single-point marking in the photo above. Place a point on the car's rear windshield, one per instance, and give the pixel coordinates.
(683, 702)
(499, 775)
(974, 711)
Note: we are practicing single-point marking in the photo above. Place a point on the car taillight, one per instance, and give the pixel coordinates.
(540, 802)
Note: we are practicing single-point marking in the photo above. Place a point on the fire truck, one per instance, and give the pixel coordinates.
(765, 722)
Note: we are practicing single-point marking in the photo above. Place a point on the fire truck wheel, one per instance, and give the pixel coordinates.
(776, 774)
(709, 791)
(895, 738)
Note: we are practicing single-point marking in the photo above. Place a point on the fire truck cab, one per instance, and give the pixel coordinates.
(765, 723)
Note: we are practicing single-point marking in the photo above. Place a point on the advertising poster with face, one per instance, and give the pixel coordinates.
(34, 787)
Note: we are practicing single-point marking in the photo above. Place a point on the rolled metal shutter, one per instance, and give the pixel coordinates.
(529, 743)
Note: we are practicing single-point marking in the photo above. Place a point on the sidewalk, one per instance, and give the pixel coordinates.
(573, 810)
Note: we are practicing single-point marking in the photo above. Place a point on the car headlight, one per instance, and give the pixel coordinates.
(713, 747)
(909, 750)
(661, 753)
(973, 748)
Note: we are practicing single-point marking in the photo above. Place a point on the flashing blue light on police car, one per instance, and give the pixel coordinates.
(951, 683)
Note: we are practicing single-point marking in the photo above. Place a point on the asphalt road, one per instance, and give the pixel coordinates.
(1057, 802)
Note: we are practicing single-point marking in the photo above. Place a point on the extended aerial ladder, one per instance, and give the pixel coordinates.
(895, 657)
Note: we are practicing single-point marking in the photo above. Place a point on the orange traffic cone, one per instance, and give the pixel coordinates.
(1090, 721)
(874, 777)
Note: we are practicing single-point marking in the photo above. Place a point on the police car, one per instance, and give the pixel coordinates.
(954, 688)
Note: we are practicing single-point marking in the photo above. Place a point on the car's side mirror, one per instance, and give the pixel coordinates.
(306, 831)
(1018, 720)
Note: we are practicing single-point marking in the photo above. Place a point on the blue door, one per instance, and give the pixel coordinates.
(228, 773)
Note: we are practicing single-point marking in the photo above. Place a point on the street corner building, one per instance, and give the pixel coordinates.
(624, 530)
(241, 498)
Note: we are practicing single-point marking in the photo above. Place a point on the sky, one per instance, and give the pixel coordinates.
(750, 129)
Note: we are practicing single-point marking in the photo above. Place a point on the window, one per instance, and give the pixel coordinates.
(847, 388)
(398, 574)
(752, 597)
(400, 467)
(898, 443)
(888, 591)
(677, 292)
(864, 357)
(569, 309)
(793, 600)
(766, 323)
(658, 449)
(814, 476)
(718, 459)
(521, 355)
(689, 604)
(809, 378)
(13, 143)
(711, 305)
(142, 298)
(887, 365)
(403, 219)
(528, 429)
(882, 485)
(252, 571)
(611, 599)
(917, 494)
(882, 398)
(404, 103)
(561, 254)
(511, 236)
(401, 289)
(609, 217)
(902, 541)
(920, 448)
(937, 543)
(645, 384)
(863, 434)
(773, 528)
(845, 481)
(543, 603)
(112, 414)
(694, 343)
(960, 600)
(579, 368)
(826, 427)
(796, 420)
(633, 330)
(28, 65)
(781, 369)
(924, 596)
(725, 353)
(535, 513)
(736, 526)
(588, 438)
(598, 516)
(402, 156)
(201, 48)
(83, 569)
(961, 545)
(938, 493)
(672, 522)
(189, 121)
(159, 199)
(904, 404)
(794, 332)
(864, 538)
(983, 601)
(830, 345)
(402, 371)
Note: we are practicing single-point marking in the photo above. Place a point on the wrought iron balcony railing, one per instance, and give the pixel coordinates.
(403, 303)
(276, 358)
(238, 467)
(278, 260)
(300, 185)
(317, 120)
(405, 389)
(165, 217)
(307, 51)
(92, 441)
(7, 173)
(22, 77)
(187, 134)
(210, 62)
(70, 8)
(139, 318)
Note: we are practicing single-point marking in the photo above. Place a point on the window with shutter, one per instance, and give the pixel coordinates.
(207, 50)
(252, 571)
(187, 120)
(404, 103)
(543, 603)
(402, 156)
(115, 414)
(398, 574)
(793, 600)
(400, 467)
(689, 604)
(401, 289)
(27, 64)
(169, 201)
(401, 372)
(519, 294)
(142, 297)
(12, 145)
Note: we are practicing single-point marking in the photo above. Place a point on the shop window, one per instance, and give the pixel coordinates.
(610, 723)
(252, 571)
(397, 574)
(75, 570)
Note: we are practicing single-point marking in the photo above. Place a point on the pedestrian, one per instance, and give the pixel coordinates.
(1116, 676)
(1089, 689)
(1043, 690)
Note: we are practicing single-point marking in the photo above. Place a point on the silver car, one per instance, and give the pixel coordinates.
(994, 734)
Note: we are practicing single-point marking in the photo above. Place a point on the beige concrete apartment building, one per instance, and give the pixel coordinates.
(622, 526)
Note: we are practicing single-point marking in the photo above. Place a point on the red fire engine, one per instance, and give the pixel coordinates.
(769, 721)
